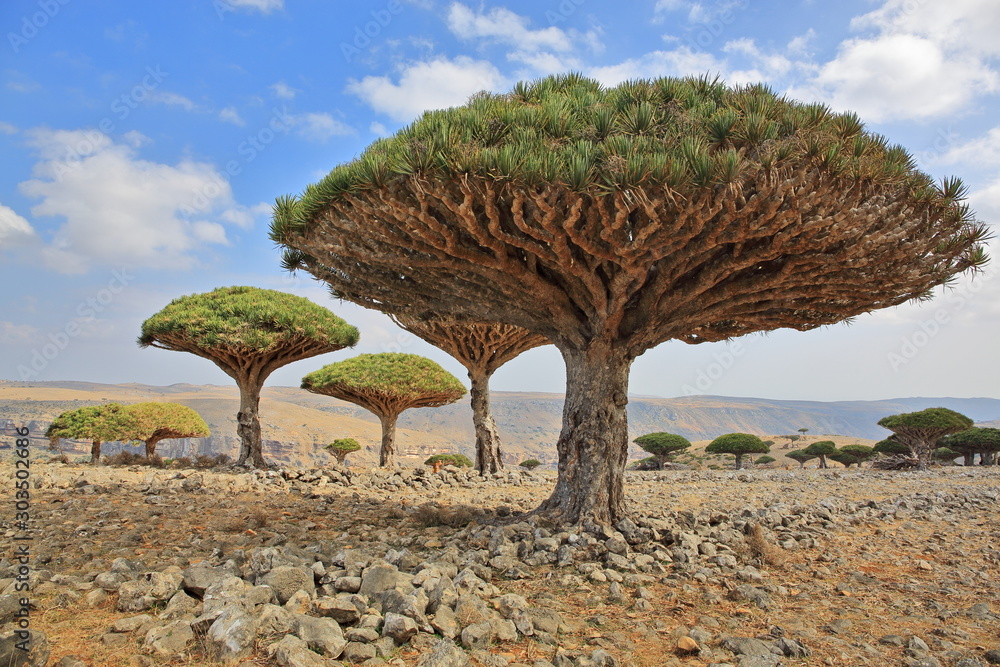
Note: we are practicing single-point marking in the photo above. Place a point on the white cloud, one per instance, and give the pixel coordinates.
(231, 115)
(920, 60)
(437, 84)
(320, 126)
(899, 76)
(244, 216)
(800, 45)
(117, 207)
(681, 61)
(963, 25)
(171, 99)
(379, 129)
(986, 203)
(7, 128)
(283, 91)
(209, 232)
(505, 27)
(670, 5)
(17, 333)
(699, 12)
(262, 6)
(14, 230)
(976, 153)
(545, 50)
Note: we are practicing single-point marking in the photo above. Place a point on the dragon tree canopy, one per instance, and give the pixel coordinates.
(698, 205)
(610, 220)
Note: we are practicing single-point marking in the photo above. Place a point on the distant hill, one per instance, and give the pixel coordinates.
(296, 423)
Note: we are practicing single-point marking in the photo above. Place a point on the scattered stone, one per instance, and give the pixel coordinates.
(356, 652)
(285, 581)
(231, 636)
(687, 645)
(322, 635)
(293, 652)
(171, 640)
(446, 654)
(12, 646)
(400, 628)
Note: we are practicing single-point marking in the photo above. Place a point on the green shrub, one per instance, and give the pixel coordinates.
(460, 460)
(764, 460)
(530, 464)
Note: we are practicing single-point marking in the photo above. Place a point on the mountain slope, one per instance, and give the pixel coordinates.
(296, 423)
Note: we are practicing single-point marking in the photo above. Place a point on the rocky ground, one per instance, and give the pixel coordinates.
(309, 568)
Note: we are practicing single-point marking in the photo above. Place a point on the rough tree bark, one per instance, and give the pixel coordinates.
(151, 446)
(489, 454)
(95, 451)
(387, 454)
(248, 426)
(593, 444)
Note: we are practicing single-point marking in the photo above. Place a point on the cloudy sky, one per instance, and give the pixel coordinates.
(143, 145)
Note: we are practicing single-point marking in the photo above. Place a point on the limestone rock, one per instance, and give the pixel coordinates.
(286, 580)
(169, 640)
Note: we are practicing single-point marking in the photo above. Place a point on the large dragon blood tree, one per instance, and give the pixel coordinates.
(248, 332)
(610, 220)
(482, 348)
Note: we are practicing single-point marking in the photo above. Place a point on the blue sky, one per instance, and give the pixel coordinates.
(143, 145)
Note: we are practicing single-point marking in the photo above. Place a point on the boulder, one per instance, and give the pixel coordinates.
(321, 635)
(200, 577)
(293, 652)
(13, 644)
(445, 654)
(231, 636)
(286, 580)
(339, 609)
(168, 641)
(400, 628)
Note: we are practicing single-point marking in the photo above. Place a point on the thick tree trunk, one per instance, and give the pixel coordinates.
(593, 444)
(822, 462)
(387, 455)
(151, 447)
(969, 458)
(248, 426)
(489, 455)
(739, 461)
(924, 451)
(95, 451)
